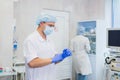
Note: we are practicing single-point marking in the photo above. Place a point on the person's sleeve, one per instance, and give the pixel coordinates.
(29, 51)
(87, 46)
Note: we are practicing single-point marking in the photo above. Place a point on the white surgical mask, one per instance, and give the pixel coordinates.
(48, 30)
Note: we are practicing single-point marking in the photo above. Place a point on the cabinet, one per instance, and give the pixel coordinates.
(92, 39)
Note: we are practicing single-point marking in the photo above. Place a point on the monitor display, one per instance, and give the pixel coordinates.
(113, 38)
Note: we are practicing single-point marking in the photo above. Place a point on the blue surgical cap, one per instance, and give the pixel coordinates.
(81, 30)
(45, 18)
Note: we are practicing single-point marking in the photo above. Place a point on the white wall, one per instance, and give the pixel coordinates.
(6, 21)
(116, 13)
(101, 41)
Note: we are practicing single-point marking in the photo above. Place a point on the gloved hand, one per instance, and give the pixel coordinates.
(57, 58)
(60, 57)
(66, 53)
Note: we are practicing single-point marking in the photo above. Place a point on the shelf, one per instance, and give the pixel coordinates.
(8, 73)
(19, 69)
(90, 35)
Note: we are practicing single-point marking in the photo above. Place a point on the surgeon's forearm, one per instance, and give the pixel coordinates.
(37, 62)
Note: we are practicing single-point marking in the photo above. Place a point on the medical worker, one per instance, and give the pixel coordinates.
(80, 46)
(39, 51)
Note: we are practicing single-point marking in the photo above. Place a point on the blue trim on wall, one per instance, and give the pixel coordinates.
(112, 11)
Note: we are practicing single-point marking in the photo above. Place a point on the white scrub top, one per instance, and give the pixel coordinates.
(80, 46)
(36, 46)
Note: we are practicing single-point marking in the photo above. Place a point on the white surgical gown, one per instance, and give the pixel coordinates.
(80, 46)
(36, 46)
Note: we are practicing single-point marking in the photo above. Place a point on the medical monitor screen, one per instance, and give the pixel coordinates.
(114, 38)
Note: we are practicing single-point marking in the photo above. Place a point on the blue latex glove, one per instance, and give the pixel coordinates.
(57, 58)
(66, 53)
(60, 57)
